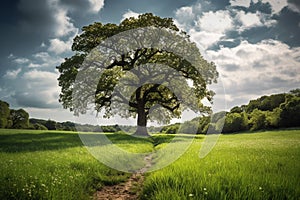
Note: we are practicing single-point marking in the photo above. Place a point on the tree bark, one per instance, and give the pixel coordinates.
(141, 121)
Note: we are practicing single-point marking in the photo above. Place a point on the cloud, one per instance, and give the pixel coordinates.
(21, 60)
(215, 22)
(12, 74)
(129, 14)
(49, 16)
(294, 5)
(244, 3)
(277, 5)
(210, 27)
(64, 26)
(45, 60)
(250, 70)
(39, 90)
(204, 39)
(251, 20)
(185, 17)
(59, 46)
(96, 5)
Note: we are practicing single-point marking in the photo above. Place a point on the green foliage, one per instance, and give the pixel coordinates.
(189, 127)
(203, 125)
(38, 126)
(236, 109)
(290, 114)
(148, 95)
(265, 103)
(295, 92)
(19, 118)
(235, 122)
(170, 129)
(4, 114)
(257, 120)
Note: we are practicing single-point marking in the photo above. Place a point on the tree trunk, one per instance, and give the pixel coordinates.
(141, 122)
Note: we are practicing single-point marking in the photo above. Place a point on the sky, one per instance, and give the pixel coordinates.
(254, 43)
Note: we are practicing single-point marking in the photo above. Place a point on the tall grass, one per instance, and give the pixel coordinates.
(243, 166)
(53, 165)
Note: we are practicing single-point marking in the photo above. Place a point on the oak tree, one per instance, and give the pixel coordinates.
(130, 67)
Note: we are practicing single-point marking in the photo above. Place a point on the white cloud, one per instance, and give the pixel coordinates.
(96, 5)
(21, 60)
(64, 26)
(38, 75)
(39, 89)
(129, 14)
(215, 22)
(211, 27)
(11, 56)
(184, 16)
(244, 3)
(42, 56)
(12, 74)
(58, 46)
(44, 60)
(251, 70)
(250, 20)
(277, 5)
(204, 39)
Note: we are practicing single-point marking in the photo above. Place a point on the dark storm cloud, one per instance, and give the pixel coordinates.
(295, 3)
(36, 16)
(25, 100)
(288, 28)
(257, 34)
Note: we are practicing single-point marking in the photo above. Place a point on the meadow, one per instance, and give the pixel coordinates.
(56, 165)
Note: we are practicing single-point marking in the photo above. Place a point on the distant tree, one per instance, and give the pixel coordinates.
(147, 95)
(257, 120)
(265, 103)
(19, 118)
(203, 124)
(38, 126)
(4, 114)
(290, 114)
(235, 122)
(236, 109)
(189, 127)
(50, 124)
(171, 129)
(273, 118)
(295, 92)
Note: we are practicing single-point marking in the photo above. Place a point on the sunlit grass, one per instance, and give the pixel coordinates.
(243, 166)
(52, 165)
(56, 165)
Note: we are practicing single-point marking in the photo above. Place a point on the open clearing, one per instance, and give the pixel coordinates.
(55, 165)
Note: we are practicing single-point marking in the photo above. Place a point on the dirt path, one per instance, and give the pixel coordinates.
(128, 190)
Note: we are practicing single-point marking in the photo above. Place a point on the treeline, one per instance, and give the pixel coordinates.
(266, 112)
(10, 118)
(19, 119)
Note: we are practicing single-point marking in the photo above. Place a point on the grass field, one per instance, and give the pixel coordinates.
(55, 165)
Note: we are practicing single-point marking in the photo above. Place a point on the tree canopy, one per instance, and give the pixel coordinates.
(133, 71)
